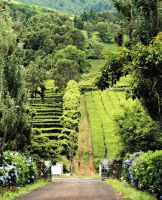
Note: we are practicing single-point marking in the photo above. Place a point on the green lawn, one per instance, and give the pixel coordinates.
(128, 192)
(11, 195)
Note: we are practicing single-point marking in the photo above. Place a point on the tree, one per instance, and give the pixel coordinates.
(101, 27)
(147, 73)
(14, 118)
(89, 27)
(144, 64)
(114, 69)
(66, 70)
(78, 38)
(14, 73)
(15, 126)
(72, 53)
(104, 31)
(35, 78)
(78, 23)
(94, 50)
(141, 19)
(137, 131)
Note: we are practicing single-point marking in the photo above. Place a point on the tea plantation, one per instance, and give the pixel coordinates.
(47, 114)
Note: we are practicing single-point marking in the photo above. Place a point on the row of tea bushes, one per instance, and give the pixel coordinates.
(144, 171)
(17, 169)
(71, 117)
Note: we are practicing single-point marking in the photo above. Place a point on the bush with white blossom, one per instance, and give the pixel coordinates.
(17, 169)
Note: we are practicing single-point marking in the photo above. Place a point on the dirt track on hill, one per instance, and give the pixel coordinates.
(73, 189)
(85, 144)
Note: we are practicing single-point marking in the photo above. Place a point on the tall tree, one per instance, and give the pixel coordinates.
(141, 18)
(14, 119)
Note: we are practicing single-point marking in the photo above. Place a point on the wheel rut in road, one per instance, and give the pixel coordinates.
(74, 189)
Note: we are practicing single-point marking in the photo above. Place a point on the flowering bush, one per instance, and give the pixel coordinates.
(17, 169)
(127, 168)
(144, 171)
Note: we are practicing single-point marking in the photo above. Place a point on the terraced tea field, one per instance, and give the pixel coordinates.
(47, 114)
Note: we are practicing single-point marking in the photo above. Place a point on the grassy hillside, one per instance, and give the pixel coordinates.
(72, 6)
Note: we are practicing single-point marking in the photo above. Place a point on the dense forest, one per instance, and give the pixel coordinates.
(89, 79)
(73, 6)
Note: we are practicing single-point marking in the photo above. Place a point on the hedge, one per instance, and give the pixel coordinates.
(70, 118)
(144, 171)
(17, 169)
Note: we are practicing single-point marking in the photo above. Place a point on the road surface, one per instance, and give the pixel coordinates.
(73, 189)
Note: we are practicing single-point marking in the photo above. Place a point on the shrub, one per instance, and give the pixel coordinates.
(148, 172)
(70, 119)
(72, 96)
(17, 169)
(127, 168)
(144, 171)
(137, 131)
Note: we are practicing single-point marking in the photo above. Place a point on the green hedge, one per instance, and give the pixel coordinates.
(148, 171)
(17, 169)
(70, 118)
(144, 171)
(71, 98)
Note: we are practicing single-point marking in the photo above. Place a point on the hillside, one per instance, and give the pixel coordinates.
(72, 6)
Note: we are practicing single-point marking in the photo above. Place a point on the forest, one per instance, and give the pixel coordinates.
(84, 74)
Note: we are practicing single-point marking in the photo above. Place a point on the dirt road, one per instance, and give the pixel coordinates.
(85, 161)
(73, 189)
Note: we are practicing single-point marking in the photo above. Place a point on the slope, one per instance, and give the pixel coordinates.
(47, 113)
(72, 6)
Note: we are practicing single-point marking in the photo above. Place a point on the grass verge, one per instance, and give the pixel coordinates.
(128, 192)
(11, 195)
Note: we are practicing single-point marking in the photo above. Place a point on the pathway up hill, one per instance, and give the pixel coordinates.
(47, 114)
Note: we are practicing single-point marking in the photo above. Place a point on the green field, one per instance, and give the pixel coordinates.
(102, 106)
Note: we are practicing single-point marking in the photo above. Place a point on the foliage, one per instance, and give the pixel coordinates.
(102, 29)
(33, 78)
(146, 67)
(65, 70)
(141, 19)
(74, 54)
(144, 63)
(113, 70)
(70, 119)
(78, 38)
(17, 169)
(42, 147)
(144, 170)
(137, 131)
(14, 118)
(15, 125)
(89, 19)
(94, 50)
(72, 96)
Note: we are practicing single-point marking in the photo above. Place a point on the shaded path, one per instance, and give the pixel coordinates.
(73, 189)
